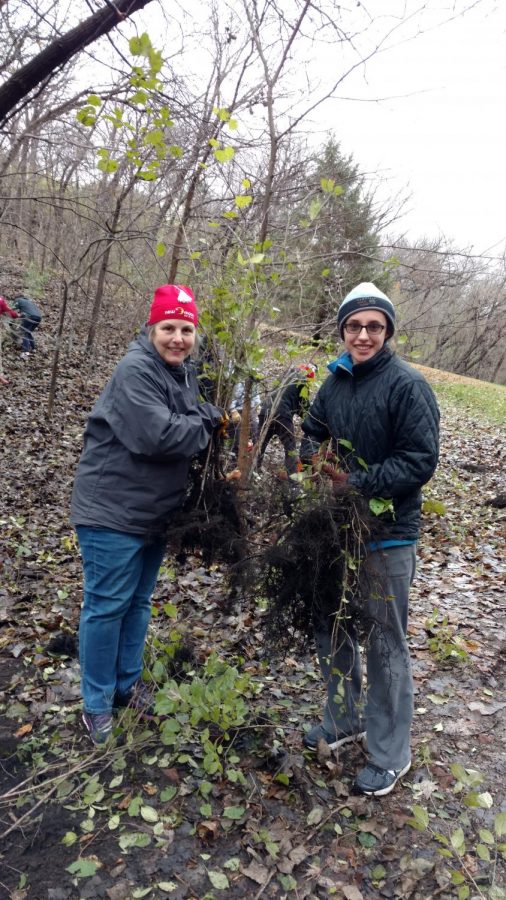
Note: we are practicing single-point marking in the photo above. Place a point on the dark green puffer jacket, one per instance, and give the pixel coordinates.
(389, 414)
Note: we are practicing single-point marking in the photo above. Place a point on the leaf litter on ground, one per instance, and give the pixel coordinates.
(152, 825)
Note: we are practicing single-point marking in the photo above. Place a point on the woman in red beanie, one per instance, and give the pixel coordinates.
(139, 442)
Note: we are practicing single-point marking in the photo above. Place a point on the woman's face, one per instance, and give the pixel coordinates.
(363, 345)
(174, 340)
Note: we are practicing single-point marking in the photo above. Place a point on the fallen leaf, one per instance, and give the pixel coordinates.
(25, 729)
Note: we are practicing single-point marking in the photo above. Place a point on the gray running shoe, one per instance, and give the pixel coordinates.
(333, 739)
(376, 782)
(99, 727)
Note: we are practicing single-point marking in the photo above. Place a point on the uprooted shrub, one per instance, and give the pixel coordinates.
(313, 569)
(209, 521)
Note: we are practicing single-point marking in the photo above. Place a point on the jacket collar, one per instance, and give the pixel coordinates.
(346, 364)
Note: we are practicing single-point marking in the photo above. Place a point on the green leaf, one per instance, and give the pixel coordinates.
(168, 887)
(93, 793)
(401, 339)
(479, 801)
(149, 814)
(69, 838)
(223, 114)
(134, 806)
(500, 824)
(421, 815)
(139, 892)
(366, 839)
(160, 251)
(234, 864)
(246, 183)
(257, 258)
(225, 155)
(206, 810)
(243, 200)
(86, 116)
(485, 800)
(344, 443)
(486, 836)
(170, 610)
(82, 868)
(463, 892)
(314, 208)
(283, 778)
(218, 880)
(94, 100)
(378, 873)
(168, 794)
(457, 841)
(315, 816)
(483, 852)
(288, 882)
(380, 505)
(434, 506)
(327, 185)
(134, 839)
(234, 812)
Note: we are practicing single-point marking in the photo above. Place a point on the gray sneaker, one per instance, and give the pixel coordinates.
(99, 727)
(376, 782)
(333, 739)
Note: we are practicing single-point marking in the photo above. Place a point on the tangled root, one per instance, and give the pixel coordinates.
(312, 570)
(209, 521)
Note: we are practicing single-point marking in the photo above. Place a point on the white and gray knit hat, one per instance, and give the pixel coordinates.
(366, 296)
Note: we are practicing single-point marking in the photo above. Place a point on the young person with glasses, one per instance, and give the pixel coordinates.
(385, 410)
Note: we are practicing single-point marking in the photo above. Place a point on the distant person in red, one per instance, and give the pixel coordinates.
(5, 310)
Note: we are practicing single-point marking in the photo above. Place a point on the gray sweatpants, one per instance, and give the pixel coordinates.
(387, 706)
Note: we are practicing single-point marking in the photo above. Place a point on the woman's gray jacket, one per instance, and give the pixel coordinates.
(139, 442)
(388, 414)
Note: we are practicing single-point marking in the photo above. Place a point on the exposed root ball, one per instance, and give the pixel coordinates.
(313, 567)
(209, 522)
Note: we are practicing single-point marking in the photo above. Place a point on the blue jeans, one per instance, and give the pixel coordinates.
(120, 572)
(28, 326)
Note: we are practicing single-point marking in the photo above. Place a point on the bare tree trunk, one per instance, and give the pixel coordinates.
(41, 67)
(97, 304)
(56, 357)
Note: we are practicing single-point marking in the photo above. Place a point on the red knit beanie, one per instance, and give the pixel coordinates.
(173, 301)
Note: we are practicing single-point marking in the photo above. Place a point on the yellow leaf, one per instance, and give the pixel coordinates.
(25, 729)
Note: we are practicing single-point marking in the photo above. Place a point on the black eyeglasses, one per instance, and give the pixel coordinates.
(371, 327)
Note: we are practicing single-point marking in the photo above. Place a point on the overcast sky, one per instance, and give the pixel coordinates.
(426, 117)
(442, 133)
